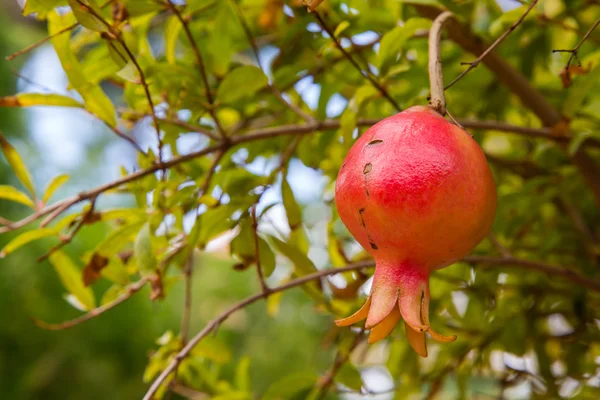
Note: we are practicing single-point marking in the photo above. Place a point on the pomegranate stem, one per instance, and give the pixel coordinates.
(436, 79)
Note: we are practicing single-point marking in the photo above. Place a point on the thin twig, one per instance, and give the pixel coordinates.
(129, 291)
(259, 272)
(201, 66)
(212, 325)
(364, 73)
(575, 51)
(474, 64)
(436, 78)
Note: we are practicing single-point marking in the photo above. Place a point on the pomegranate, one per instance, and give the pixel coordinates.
(416, 192)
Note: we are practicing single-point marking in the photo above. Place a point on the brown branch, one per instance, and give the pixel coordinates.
(364, 73)
(474, 64)
(212, 325)
(200, 62)
(436, 78)
(129, 291)
(574, 52)
(259, 134)
(259, 272)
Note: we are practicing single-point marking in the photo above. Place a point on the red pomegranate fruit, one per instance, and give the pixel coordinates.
(417, 193)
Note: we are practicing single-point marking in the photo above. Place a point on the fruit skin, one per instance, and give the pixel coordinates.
(416, 192)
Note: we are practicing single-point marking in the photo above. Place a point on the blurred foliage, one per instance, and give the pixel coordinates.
(144, 65)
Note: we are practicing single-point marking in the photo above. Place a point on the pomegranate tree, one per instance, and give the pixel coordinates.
(416, 192)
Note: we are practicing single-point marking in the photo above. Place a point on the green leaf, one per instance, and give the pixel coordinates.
(579, 91)
(117, 53)
(214, 222)
(292, 209)
(303, 265)
(290, 386)
(242, 82)
(16, 163)
(12, 194)
(242, 375)
(349, 376)
(56, 183)
(116, 272)
(39, 99)
(24, 238)
(143, 251)
(70, 276)
(508, 18)
(111, 294)
(87, 14)
(172, 29)
(394, 40)
(95, 100)
(42, 7)
(341, 28)
(213, 349)
(117, 239)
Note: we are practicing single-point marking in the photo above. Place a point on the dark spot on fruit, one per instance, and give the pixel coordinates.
(373, 245)
(374, 142)
(367, 168)
(362, 219)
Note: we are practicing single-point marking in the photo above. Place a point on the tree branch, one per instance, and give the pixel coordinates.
(259, 134)
(436, 78)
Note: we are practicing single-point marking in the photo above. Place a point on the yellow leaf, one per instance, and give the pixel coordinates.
(54, 185)
(71, 278)
(12, 194)
(17, 164)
